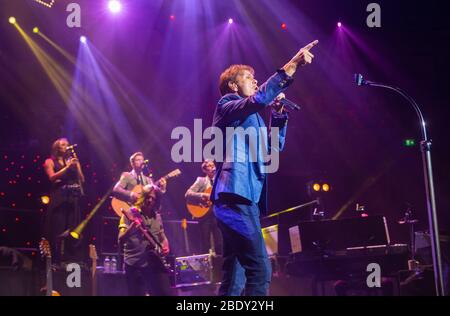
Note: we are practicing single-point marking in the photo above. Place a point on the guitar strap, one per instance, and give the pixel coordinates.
(144, 179)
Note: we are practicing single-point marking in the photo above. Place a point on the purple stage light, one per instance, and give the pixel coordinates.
(230, 21)
(339, 24)
(83, 39)
(114, 6)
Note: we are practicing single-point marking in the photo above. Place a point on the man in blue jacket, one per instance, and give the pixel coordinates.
(239, 182)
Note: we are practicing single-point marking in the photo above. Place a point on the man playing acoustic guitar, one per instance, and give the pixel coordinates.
(200, 207)
(144, 268)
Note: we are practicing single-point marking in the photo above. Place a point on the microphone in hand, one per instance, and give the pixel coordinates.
(282, 101)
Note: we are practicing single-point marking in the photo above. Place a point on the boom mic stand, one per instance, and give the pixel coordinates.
(425, 147)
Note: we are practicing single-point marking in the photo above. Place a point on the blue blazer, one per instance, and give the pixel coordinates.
(246, 179)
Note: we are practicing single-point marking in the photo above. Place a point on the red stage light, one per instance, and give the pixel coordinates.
(172, 17)
(283, 26)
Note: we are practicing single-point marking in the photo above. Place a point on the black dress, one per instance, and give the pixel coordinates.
(63, 214)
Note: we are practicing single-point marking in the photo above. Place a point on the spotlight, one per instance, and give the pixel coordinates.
(114, 6)
(325, 187)
(45, 199)
(35, 30)
(230, 21)
(316, 187)
(172, 17)
(12, 20)
(283, 26)
(339, 24)
(83, 39)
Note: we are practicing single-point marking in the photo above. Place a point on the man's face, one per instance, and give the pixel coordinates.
(210, 168)
(138, 162)
(246, 84)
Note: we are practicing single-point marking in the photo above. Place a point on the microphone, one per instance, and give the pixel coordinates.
(288, 103)
(72, 146)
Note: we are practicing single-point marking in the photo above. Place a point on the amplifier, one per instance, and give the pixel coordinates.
(197, 270)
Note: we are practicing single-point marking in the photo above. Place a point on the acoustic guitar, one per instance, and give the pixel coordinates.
(119, 206)
(44, 247)
(200, 210)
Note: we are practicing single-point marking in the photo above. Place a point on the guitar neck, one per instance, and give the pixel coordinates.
(166, 177)
(170, 175)
(49, 276)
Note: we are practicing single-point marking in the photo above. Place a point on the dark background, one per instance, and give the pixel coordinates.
(350, 137)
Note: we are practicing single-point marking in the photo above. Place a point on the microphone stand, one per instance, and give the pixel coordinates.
(74, 155)
(425, 146)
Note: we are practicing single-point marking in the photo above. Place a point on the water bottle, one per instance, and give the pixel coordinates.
(113, 265)
(107, 265)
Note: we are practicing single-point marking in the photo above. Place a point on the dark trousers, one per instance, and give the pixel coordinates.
(63, 215)
(209, 229)
(152, 279)
(246, 264)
